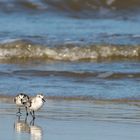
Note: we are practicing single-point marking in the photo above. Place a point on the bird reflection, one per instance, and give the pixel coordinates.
(36, 132)
(22, 126)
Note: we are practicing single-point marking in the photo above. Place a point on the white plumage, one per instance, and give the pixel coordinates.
(20, 100)
(35, 104)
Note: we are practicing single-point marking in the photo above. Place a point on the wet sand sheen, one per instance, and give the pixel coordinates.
(63, 119)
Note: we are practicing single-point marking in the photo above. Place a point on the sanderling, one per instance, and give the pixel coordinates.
(35, 104)
(20, 101)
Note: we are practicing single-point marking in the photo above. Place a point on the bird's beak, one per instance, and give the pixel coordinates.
(43, 100)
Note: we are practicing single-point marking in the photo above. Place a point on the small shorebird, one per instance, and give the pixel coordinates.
(35, 104)
(20, 100)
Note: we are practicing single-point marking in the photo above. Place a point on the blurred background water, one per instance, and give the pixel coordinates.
(70, 48)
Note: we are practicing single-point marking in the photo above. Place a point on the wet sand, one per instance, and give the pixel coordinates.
(66, 120)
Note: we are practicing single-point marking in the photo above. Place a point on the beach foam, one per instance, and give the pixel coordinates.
(24, 50)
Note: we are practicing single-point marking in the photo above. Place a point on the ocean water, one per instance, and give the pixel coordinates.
(70, 48)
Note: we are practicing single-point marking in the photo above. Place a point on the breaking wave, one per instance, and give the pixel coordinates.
(19, 50)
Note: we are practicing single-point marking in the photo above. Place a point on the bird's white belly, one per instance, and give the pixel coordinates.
(18, 103)
(35, 106)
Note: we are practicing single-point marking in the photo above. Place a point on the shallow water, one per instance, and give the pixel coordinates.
(110, 80)
(63, 119)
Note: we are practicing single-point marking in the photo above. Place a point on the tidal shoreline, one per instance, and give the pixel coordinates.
(64, 119)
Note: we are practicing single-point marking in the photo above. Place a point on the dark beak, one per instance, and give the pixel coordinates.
(43, 100)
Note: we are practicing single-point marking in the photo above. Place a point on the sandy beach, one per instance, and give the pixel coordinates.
(63, 119)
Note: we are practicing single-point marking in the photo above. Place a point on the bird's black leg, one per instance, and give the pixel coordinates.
(26, 111)
(19, 110)
(33, 114)
(19, 113)
(32, 122)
